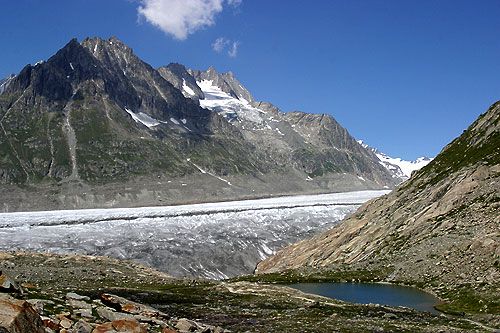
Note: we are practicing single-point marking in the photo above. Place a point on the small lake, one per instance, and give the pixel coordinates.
(376, 293)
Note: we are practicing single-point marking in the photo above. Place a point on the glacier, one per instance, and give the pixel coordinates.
(211, 240)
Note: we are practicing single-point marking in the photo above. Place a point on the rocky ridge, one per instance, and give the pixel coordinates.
(5, 82)
(439, 230)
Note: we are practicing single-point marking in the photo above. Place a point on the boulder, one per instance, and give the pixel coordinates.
(76, 297)
(125, 305)
(168, 330)
(186, 325)
(82, 327)
(109, 314)
(66, 323)
(128, 325)
(75, 304)
(51, 323)
(8, 285)
(18, 316)
(122, 325)
(104, 328)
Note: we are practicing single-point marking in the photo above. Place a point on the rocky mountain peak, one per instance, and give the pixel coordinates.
(56, 79)
(158, 97)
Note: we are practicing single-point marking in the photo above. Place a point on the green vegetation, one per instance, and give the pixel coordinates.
(341, 274)
(466, 301)
(472, 147)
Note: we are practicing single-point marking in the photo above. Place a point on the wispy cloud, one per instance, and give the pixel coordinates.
(180, 18)
(234, 3)
(223, 44)
(220, 44)
(233, 50)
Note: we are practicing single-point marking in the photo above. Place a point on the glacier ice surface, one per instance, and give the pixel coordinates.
(211, 240)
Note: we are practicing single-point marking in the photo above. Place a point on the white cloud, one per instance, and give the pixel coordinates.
(234, 3)
(223, 44)
(180, 18)
(233, 50)
(220, 44)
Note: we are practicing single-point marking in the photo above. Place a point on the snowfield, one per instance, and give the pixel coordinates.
(211, 240)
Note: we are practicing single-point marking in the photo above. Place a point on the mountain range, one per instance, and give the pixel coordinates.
(95, 126)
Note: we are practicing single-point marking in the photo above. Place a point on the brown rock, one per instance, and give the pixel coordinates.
(7, 284)
(122, 325)
(168, 330)
(17, 316)
(51, 323)
(104, 328)
(27, 285)
(65, 322)
(128, 325)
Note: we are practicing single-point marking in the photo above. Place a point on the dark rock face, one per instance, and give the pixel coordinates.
(180, 78)
(96, 114)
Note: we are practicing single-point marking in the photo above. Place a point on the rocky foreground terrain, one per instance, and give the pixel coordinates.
(439, 231)
(97, 294)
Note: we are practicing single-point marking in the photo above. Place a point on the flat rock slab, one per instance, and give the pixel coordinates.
(125, 305)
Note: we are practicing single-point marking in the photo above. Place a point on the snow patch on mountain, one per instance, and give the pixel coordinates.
(228, 106)
(407, 167)
(187, 90)
(143, 118)
(397, 166)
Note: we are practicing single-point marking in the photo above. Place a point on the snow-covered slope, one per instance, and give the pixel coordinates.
(230, 107)
(407, 167)
(398, 167)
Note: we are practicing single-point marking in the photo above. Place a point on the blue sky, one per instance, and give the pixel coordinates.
(406, 76)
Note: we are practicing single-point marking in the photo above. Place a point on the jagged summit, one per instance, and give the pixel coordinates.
(225, 81)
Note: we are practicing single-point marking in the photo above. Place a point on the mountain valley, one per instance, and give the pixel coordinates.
(141, 199)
